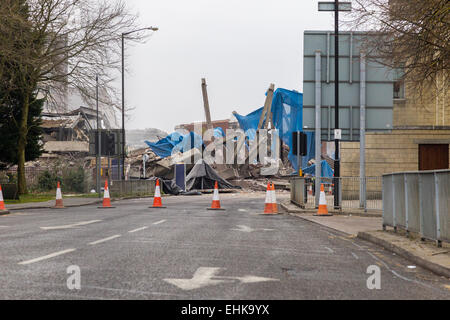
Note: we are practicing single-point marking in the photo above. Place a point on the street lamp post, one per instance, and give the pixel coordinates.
(336, 6)
(123, 94)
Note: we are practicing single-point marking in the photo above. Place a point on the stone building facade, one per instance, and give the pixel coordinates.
(419, 139)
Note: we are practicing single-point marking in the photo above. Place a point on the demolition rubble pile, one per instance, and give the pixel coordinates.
(282, 110)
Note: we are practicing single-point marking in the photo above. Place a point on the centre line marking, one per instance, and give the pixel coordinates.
(47, 256)
(68, 226)
(159, 222)
(104, 240)
(138, 229)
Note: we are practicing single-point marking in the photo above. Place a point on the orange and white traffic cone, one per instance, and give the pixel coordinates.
(157, 202)
(323, 210)
(2, 203)
(215, 205)
(270, 205)
(106, 198)
(310, 191)
(274, 199)
(59, 201)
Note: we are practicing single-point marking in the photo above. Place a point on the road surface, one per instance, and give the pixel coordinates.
(187, 252)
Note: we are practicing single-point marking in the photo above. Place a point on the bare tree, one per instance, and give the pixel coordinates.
(412, 34)
(60, 45)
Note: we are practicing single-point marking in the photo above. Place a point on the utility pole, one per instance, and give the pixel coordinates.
(123, 95)
(337, 169)
(99, 150)
(122, 172)
(336, 6)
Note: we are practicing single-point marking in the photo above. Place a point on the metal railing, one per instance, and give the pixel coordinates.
(120, 188)
(418, 202)
(350, 193)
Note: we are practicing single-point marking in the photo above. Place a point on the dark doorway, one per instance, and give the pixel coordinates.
(433, 156)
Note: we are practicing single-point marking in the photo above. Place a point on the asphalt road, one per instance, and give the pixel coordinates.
(187, 252)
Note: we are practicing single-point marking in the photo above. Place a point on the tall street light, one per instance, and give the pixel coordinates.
(123, 93)
(336, 6)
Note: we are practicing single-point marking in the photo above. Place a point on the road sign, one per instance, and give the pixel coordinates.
(378, 81)
(337, 134)
(330, 5)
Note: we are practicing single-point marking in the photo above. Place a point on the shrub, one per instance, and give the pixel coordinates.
(73, 180)
(47, 181)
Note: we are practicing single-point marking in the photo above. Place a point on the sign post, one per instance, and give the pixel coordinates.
(336, 6)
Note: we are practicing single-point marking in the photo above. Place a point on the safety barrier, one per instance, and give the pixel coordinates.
(350, 195)
(298, 191)
(418, 202)
(121, 188)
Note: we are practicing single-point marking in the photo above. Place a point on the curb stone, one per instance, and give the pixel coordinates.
(431, 266)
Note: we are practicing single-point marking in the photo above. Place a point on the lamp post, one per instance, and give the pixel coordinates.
(124, 34)
(336, 6)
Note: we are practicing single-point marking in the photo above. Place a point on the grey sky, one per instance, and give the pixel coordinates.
(239, 46)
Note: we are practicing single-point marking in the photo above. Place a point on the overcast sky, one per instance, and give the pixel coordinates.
(239, 46)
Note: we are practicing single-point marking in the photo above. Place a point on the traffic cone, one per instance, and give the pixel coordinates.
(106, 198)
(310, 191)
(216, 201)
(274, 199)
(2, 203)
(59, 201)
(269, 205)
(323, 210)
(157, 202)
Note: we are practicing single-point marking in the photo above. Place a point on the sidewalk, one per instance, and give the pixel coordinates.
(68, 202)
(369, 228)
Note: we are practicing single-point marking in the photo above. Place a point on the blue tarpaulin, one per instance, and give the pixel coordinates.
(163, 148)
(326, 170)
(287, 109)
(176, 142)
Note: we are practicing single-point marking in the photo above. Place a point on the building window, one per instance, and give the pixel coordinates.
(399, 89)
(399, 84)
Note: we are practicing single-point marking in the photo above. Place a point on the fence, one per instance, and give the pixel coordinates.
(32, 175)
(418, 202)
(132, 188)
(349, 193)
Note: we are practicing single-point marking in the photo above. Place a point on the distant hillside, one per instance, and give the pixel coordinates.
(135, 138)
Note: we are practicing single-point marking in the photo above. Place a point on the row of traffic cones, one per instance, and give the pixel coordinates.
(271, 206)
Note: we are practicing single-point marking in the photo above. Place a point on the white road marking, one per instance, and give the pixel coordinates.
(248, 229)
(159, 222)
(104, 240)
(355, 256)
(68, 226)
(138, 229)
(329, 249)
(47, 256)
(4, 226)
(203, 277)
